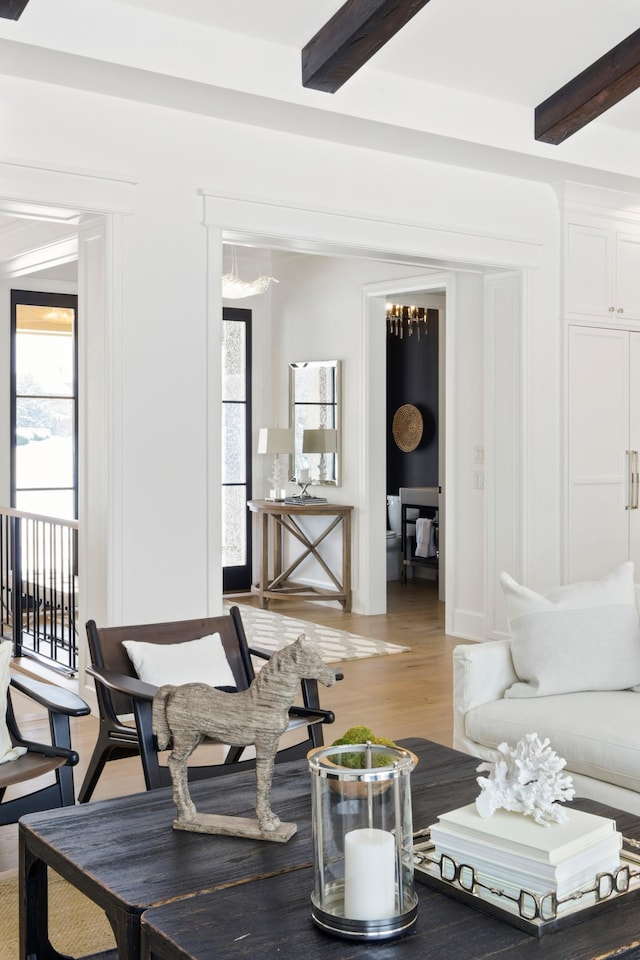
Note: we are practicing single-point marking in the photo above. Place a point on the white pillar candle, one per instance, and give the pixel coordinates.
(369, 874)
(304, 475)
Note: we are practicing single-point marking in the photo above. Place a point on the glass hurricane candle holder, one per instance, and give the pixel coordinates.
(363, 841)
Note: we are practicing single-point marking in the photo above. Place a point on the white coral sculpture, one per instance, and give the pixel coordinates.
(528, 779)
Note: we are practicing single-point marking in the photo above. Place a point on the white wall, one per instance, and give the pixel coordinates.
(157, 395)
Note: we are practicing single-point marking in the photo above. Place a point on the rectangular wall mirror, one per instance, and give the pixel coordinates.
(314, 397)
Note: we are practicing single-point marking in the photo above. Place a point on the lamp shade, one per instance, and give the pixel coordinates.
(275, 440)
(319, 441)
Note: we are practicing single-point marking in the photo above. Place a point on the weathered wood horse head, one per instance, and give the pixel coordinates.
(183, 716)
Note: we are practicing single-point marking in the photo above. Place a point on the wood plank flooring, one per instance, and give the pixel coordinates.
(404, 695)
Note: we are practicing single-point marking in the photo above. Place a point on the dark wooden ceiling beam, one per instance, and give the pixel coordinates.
(350, 38)
(12, 9)
(607, 81)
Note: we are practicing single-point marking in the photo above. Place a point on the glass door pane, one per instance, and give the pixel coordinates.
(44, 403)
(236, 448)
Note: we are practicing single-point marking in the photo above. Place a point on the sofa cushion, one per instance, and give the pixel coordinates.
(596, 732)
(581, 637)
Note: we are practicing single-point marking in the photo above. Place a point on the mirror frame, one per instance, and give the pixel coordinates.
(298, 422)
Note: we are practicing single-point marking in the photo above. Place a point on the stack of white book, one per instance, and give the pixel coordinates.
(514, 852)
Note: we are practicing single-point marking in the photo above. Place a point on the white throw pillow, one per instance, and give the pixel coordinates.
(194, 661)
(7, 750)
(584, 636)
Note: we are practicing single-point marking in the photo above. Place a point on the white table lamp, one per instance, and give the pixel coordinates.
(278, 442)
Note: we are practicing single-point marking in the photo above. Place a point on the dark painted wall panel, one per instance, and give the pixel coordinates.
(412, 377)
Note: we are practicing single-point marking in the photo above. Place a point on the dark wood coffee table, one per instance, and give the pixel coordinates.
(124, 856)
(272, 919)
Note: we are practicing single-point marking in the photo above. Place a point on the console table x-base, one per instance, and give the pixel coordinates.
(276, 522)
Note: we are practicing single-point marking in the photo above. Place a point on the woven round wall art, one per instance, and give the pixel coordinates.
(407, 427)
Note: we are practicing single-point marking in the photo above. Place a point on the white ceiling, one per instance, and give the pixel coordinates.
(458, 84)
(517, 51)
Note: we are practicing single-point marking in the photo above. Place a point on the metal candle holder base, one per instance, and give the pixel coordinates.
(341, 926)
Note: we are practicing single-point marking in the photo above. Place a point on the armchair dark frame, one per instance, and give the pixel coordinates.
(41, 758)
(119, 693)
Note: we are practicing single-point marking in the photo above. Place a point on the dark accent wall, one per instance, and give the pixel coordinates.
(412, 377)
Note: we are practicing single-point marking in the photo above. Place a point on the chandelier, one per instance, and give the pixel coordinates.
(233, 288)
(406, 319)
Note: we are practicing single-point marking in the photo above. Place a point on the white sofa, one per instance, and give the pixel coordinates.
(598, 733)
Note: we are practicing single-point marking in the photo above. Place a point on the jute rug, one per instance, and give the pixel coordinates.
(77, 927)
(270, 630)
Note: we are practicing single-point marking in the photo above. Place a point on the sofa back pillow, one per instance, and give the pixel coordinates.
(585, 636)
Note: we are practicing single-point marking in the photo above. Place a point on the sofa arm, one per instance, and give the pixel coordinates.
(481, 673)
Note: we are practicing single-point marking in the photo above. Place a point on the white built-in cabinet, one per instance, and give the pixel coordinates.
(601, 255)
(603, 446)
(602, 269)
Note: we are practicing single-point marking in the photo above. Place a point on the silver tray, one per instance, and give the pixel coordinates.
(496, 902)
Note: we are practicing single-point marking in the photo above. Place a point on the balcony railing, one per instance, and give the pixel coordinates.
(39, 587)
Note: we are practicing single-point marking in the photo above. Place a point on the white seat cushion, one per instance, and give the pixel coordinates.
(595, 732)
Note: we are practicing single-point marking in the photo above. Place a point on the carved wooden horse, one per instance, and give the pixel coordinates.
(185, 715)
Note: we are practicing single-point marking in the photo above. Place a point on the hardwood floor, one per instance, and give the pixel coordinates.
(403, 695)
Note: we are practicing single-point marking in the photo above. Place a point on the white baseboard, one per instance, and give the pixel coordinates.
(468, 625)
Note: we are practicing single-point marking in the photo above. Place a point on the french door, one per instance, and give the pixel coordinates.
(236, 448)
(44, 403)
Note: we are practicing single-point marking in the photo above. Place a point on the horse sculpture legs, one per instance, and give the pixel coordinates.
(177, 763)
(264, 775)
(182, 750)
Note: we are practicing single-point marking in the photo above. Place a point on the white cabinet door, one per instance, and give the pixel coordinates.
(628, 276)
(589, 257)
(634, 444)
(598, 441)
(602, 272)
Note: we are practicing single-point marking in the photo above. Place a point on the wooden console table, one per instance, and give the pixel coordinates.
(276, 521)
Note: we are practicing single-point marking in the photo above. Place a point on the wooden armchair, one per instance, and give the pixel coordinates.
(120, 694)
(56, 757)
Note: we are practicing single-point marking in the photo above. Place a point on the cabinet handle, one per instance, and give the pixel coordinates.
(630, 475)
(620, 310)
(612, 309)
(634, 481)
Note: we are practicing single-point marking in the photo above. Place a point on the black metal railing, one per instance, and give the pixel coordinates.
(39, 587)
